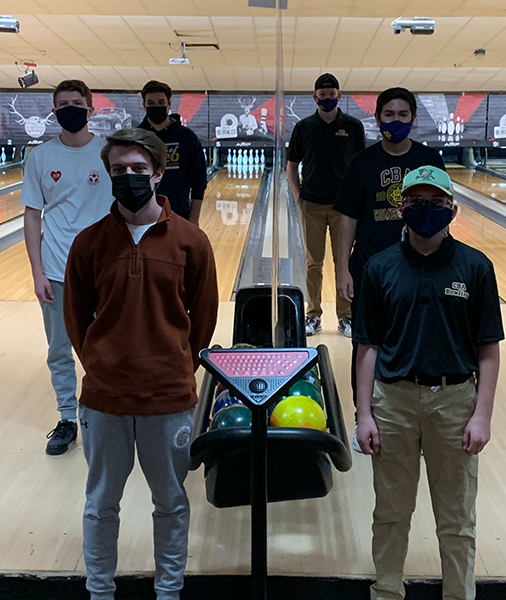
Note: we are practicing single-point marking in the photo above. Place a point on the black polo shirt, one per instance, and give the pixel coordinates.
(428, 314)
(370, 192)
(325, 150)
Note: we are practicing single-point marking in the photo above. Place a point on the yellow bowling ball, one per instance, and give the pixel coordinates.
(299, 411)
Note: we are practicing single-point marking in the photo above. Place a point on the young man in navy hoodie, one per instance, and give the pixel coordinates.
(184, 180)
(140, 302)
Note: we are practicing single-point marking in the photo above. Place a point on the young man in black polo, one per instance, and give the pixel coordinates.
(324, 142)
(428, 328)
(185, 179)
(369, 195)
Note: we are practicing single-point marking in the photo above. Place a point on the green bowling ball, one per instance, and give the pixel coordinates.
(236, 415)
(305, 388)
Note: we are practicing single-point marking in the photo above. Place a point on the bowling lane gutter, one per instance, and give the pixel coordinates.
(492, 172)
(482, 204)
(256, 231)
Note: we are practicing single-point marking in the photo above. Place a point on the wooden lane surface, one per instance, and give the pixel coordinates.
(42, 498)
(495, 187)
(15, 274)
(10, 208)
(10, 177)
(481, 233)
(225, 217)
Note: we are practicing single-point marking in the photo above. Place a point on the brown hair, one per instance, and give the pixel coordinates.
(137, 137)
(74, 85)
(152, 87)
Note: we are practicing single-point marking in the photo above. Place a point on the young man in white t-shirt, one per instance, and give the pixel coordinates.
(65, 189)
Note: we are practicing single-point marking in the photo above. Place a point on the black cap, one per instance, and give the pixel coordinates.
(327, 80)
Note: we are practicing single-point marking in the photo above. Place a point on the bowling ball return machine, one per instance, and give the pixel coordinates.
(256, 465)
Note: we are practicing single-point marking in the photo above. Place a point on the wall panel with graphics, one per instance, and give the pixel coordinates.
(27, 118)
(496, 125)
(248, 119)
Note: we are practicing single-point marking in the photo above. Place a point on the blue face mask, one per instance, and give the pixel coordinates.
(327, 104)
(425, 220)
(396, 131)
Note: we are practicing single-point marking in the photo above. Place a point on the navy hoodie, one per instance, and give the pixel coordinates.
(186, 166)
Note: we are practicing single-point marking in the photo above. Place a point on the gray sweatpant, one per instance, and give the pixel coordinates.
(163, 449)
(59, 354)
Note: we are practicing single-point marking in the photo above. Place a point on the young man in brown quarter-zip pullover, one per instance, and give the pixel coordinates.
(140, 302)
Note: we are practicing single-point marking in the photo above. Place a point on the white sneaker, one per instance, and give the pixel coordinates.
(313, 325)
(345, 326)
(355, 445)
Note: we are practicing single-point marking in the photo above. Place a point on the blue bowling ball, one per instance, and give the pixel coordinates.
(223, 400)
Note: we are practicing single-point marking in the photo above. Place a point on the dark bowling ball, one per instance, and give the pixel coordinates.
(236, 415)
(305, 388)
(224, 400)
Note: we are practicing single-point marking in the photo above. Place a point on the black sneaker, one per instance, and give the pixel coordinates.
(345, 326)
(61, 437)
(313, 325)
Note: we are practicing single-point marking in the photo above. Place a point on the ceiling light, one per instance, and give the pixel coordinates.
(28, 79)
(480, 53)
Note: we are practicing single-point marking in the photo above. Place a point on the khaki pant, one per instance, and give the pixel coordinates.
(316, 218)
(412, 418)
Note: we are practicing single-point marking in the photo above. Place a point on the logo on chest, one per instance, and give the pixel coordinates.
(458, 289)
(94, 177)
(55, 175)
(342, 133)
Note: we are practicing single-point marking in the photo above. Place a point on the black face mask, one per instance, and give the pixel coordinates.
(72, 118)
(132, 191)
(157, 114)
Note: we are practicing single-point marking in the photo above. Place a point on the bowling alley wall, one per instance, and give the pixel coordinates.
(247, 120)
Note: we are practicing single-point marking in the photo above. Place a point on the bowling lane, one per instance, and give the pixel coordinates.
(10, 208)
(225, 217)
(9, 201)
(483, 234)
(11, 176)
(484, 183)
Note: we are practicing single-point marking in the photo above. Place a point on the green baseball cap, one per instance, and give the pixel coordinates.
(428, 175)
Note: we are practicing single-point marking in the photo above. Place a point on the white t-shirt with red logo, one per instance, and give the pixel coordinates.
(73, 189)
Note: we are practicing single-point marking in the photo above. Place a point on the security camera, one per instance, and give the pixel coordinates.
(28, 79)
(8, 24)
(417, 25)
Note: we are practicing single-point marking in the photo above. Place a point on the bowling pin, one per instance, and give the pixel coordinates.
(239, 157)
(239, 171)
(234, 171)
(205, 154)
(229, 156)
(257, 158)
(250, 159)
(234, 157)
(262, 158)
(3, 158)
(250, 170)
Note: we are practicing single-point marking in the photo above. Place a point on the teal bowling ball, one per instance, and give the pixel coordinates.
(305, 388)
(236, 415)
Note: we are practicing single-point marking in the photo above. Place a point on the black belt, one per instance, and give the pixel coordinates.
(434, 381)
